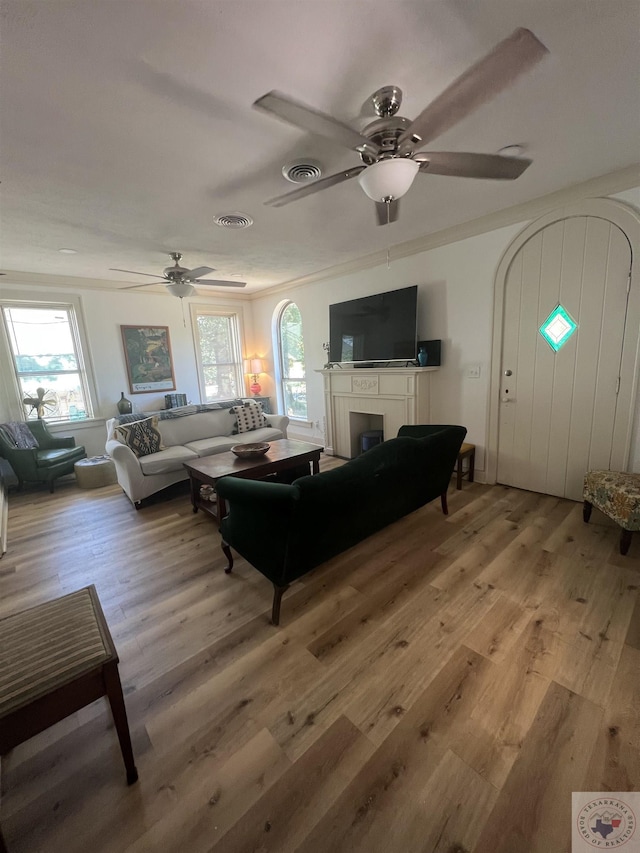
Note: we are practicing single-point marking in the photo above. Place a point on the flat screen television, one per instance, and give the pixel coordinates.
(375, 328)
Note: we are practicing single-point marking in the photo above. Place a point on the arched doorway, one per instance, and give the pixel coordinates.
(565, 349)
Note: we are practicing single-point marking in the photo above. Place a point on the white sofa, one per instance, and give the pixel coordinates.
(185, 437)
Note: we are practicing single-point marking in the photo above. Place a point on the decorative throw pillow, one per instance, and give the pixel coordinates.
(249, 416)
(141, 436)
(19, 434)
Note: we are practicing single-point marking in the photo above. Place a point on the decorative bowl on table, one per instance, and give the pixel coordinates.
(250, 451)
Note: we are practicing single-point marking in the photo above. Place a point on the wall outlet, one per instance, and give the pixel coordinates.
(473, 371)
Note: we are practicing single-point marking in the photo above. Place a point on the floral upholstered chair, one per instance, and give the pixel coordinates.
(617, 495)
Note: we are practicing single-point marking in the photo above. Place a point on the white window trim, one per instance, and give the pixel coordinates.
(10, 380)
(277, 351)
(199, 309)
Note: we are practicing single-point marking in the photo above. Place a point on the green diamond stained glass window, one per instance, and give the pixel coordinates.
(558, 328)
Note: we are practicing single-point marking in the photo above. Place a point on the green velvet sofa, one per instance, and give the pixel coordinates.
(54, 457)
(284, 531)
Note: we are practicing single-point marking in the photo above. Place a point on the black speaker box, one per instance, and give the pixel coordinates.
(433, 349)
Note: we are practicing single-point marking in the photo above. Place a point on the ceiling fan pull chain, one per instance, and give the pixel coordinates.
(388, 203)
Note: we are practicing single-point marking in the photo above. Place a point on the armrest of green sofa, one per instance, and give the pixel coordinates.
(259, 521)
(421, 430)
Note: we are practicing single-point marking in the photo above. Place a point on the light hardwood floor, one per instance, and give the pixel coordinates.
(443, 686)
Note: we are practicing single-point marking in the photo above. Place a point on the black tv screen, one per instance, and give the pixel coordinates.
(374, 328)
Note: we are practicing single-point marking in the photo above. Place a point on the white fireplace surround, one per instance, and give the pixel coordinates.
(400, 395)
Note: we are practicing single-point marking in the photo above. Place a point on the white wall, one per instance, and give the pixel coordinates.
(455, 303)
(103, 312)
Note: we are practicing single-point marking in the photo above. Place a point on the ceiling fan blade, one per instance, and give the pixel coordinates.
(309, 119)
(213, 283)
(115, 269)
(386, 213)
(198, 271)
(133, 286)
(315, 186)
(463, 165)
(483, 81)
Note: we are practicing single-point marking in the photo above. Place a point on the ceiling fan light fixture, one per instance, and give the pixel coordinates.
(388, 179)
(181, 289)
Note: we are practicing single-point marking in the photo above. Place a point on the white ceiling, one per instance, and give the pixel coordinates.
(127, 124)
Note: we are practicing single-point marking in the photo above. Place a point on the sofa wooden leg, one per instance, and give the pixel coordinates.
(277, 598)
(586, 511)
(227, 552)
(625, 541)
(51, 487)
(443, 501)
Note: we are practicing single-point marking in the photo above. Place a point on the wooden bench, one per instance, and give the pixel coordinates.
(56, 658)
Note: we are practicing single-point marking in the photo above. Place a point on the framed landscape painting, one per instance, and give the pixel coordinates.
(147, 351)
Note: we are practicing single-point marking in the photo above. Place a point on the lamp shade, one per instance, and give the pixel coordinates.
(181, 289)
(256, 365)
(388, 179)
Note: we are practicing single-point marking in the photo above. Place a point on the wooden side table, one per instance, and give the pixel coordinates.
(467, 451)
(56, 658)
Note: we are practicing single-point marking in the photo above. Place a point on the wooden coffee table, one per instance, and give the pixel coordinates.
(283, 455)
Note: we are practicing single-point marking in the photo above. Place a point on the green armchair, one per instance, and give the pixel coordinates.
(52, 458)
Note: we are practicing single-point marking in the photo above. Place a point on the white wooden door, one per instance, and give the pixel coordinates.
(558, 410)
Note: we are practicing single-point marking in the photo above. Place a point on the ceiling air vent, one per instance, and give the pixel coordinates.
(301, 171)
(233, 220)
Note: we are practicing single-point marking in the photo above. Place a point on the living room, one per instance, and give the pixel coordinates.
(104, 81)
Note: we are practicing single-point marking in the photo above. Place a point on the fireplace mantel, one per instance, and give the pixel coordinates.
(399, 395)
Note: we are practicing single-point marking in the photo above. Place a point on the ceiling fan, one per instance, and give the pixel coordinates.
(388, 147)
(180, 280)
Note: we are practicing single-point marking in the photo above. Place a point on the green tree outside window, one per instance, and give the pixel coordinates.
(219, 356)
(294, 385)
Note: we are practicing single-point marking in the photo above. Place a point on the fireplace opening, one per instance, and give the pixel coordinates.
(360, 423)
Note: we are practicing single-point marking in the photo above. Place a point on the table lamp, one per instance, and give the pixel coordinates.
(255, 367)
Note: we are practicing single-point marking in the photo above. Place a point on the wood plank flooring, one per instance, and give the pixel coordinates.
(442, 687)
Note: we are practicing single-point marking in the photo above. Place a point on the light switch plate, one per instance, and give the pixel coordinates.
(473, 371)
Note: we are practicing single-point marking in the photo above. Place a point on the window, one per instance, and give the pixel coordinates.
(218, 355)
(558, 328)
(48, 362)
(290, 345)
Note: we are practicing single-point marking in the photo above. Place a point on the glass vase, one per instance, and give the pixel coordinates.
(124, 406)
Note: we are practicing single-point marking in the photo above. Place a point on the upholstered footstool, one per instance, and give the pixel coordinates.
(95, 472)
(617, 495)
